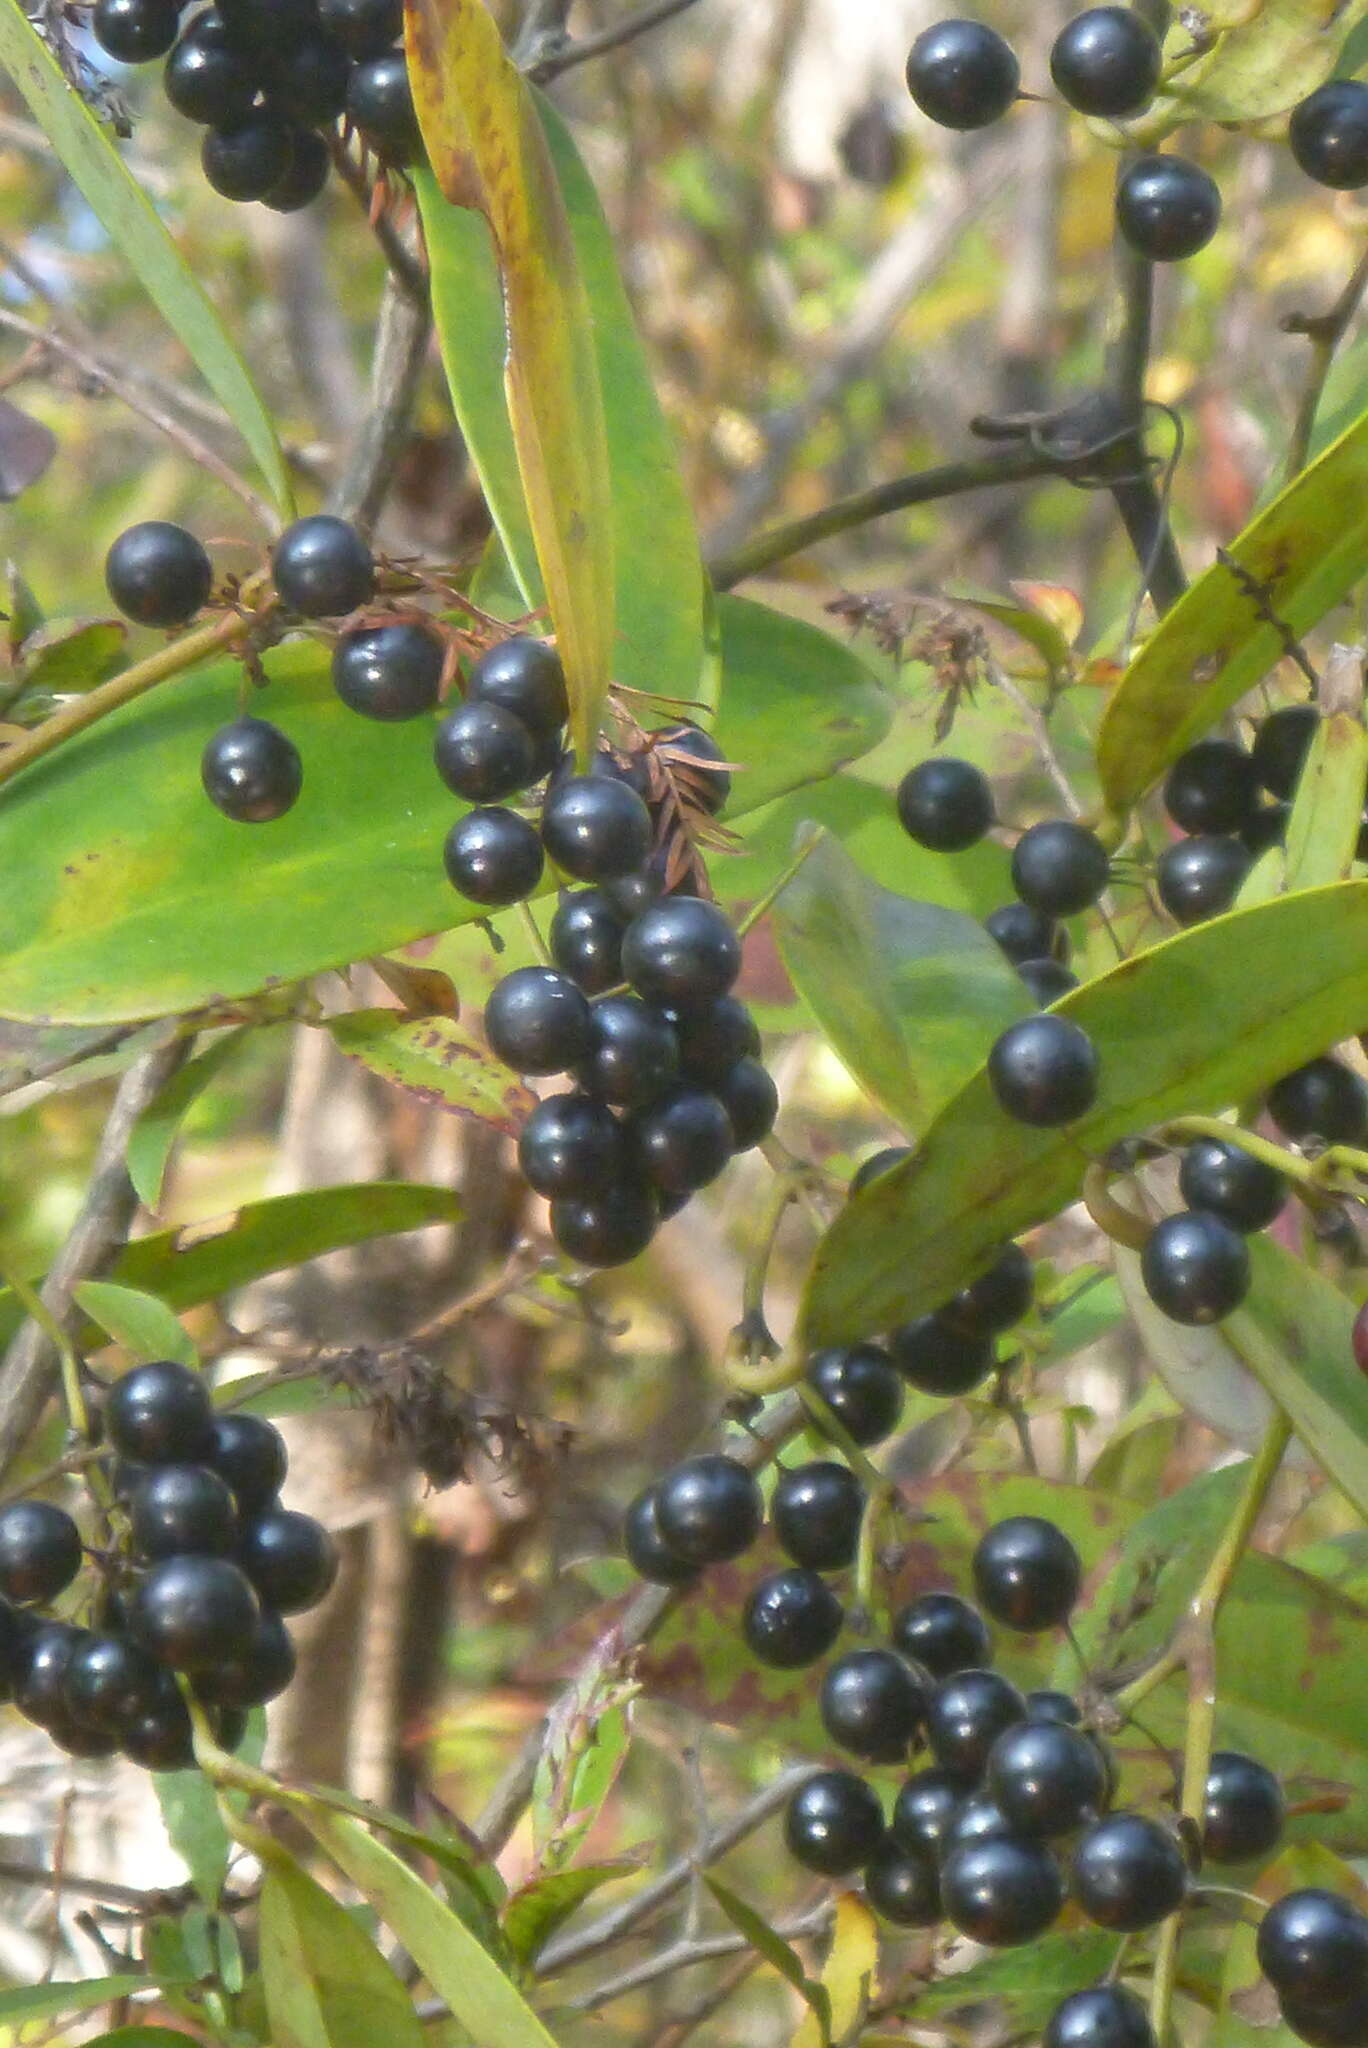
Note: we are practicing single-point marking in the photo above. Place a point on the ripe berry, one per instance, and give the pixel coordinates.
(1213, 787)
(902, 1886)
(1328, 134)
(1267, 826)
(1323, 1099)
(109, 1682)
(709, 1509)
(365, 28)
(1243, 1810)
(251, 771)
(998, 1298)
(158, 574)
(682, 1139)
(42, 1659)
(1343, 2025)
(524, 676)
(247, 160)
(259, 1673)
(1282, 743)
(595, 828)
(380, 104)
(571, 1145)
(1027, 1573)
(1167, 208)
(160, 1414)
(1026, 934)
(180, 1508)
(861, 1386)
(1106, 2016)
(1245, 1192)
(1053, 1706)
(306, 177)
(586, 939)
(1059, 868)
(135, 31)
(938, 1357)
(1048, 1779)
(1047, 980)
(1313, 1948)
(1128, 1872)
(709, 786)
(193, 1612)
(389, 672)
(289, 1558)
(632, 1055)
(206, 78)
(965, 1716)
(647, 1551)
(537, 1021)
(322, 567)
(944, 804)
(873, 1704)
(40, 1551)
(493, 856)
(925, 1809)
(1001, 1891)
(816, 1510)
(681, 952)
(713, 1037)
(943, 1634)
(249, 1453)
(750, 1098)
(877, 1163)
(307, 77)
(608, 1227)
(1106, 62)
(977, 1819)
(257, 23)
(1195, 1267)
(962, 74)
(1044, 1071)
(833, 1823)
(1200, 877)
(791, 1619)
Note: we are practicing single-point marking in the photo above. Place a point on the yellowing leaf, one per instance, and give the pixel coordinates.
(1266, 58)
(847, 1974)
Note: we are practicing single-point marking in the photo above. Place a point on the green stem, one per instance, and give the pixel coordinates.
(1184, 1128)
(73, 1393)
(1112, 1218)
(777, 888)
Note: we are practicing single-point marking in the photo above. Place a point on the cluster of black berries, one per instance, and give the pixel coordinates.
(204, 1564)
(269, 79)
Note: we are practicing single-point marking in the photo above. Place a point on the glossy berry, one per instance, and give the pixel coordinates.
(962, 74)
(682, 1139)
(1342, 2025)
(1312, 1946)
(647, 1551)
(937, 1356)
(1213, 787)
(632, 1055)
(537, 1021)
(493, 856)
(1128, 1872)
(524, 676)
(1106, 62)
(389, 672)
(608, 1227)
(109, 1682)
(833, 1823)
(1105, 2016)
(310, 164)
(160, 1414)
(380, 104)
(1047, 980)
(815, 1510)
(682, 952)
(945, 804)
(1195, 1267)
(713, 1037)
(365, 28)
(322, 568)
(943, 1634)
(750, 1098)
(307, 77)
(135, 31)
(1048, 1779)
(1059, 868)
(877, 1163)
(249, 1453)
(709, 1509)
(1328, 134)
(42, 1660)
(289, 1558)
(158, 574)
(1267, 826)
(1044, 1071)
(977, 1819)
(40, 1551)
(1027, 1573)
(1323, 1099)
(256, 24)
(1002, 1891)
(259, 1673)
(245, 161)
(1281, 746)
(862, 1388)
(925, 1809)
(998, 1298)
(180, 1508)
(1243, 1810)
(586, 939)
(571, 1145)
(691, 755)
(251, 771)
(1167, 208)
(1245, 1192)
(902, 1885)
(1046, 1705)
(162, 1738)
(206, 78)
(791, 1619)
(1026, 934)
(595, 828)
(1200, 877)
(873, 1704)
(193, 1612)
(965, 1716)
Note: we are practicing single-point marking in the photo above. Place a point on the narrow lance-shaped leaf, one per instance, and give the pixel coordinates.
(438, 1060)
(326, 1983)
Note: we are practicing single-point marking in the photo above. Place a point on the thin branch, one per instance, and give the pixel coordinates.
(403, 264)
(543, 69)
(1044, 744)
(401, 342)
(59, 1063)
(1325, 332)
(684, 1954)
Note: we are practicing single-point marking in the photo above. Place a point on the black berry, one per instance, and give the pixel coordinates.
(193, 1612)
(1106, 2016)
(962, 74)
(1200, 877)
(943, 1634)
(1328, 134)
(180, 1508)
(1342, 2025)
(524, 676)
(965, 1716)
(632, 1055)
(1001, 1891)
(365, 28)
(537, 1021)
(1243, 1810)
(1213, 787)
(322, 567)
(708, 785)
(681, 952)
(1282, 743)
(160, 1414)
(380, 104)
(714, 1037)
(245, 161)
(307, 76)
(1265, 827)
(158, 574)
(306, 177)
(682, 1139)
(1027, 1573)
(816, 1510)
(709, 1509)
(608, 1227)
(1059, 868)
(1167, 208)
(493, 856)
(389, 673)
(206, 78)
(925, 1809)
(1313, 1947)
(647, 1551)
(109, 1682)
(289, 1558)
(998, 1298)
(876, 1164)
(250, 1454)
(833, 1823)
(1243, 1191)
(1106, 62)
(977, 1819)
(937, 1356)
(40, 1551)
(135, 31)
(1323, 1099)
(945, 804)
(571, 1145)
(750, 1098)
(873, 1704)
(1044, 1071)
(1048, 1779)
(259, 1673)
(791, 1619)
(1026, 934)
(1129, 1872)
(586, 939)
(251, 771)
(1045, 1705)
(861, 1386)
(1047, 980)
(903, 1886)
(1195, 1267)
(595, 828)
(42, 1660)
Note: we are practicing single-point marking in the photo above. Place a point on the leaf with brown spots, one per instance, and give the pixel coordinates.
(439, 1061)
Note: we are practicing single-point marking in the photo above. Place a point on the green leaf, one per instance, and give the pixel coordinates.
(585, 1749)
(454, 1963)
(1029, 1982)
(42, 2001)
(1327, 813)
(141, 2037)
(129, 219)
(189, 1807)
(756, 1930)
(154, 1134)
(70, 655)
(1306, 550)
(138, 1321)
(910, 996)
(1263, 60)
(326, 1984)
(438, 1060)
(978, 1177)
(536, 1910)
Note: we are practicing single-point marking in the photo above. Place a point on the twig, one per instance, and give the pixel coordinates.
(683, 1954)
(44, 1070)
(1040, 734)
(124, 1898)
(401, 341)
(1325, 332)
(404, 265)
(564, 58)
